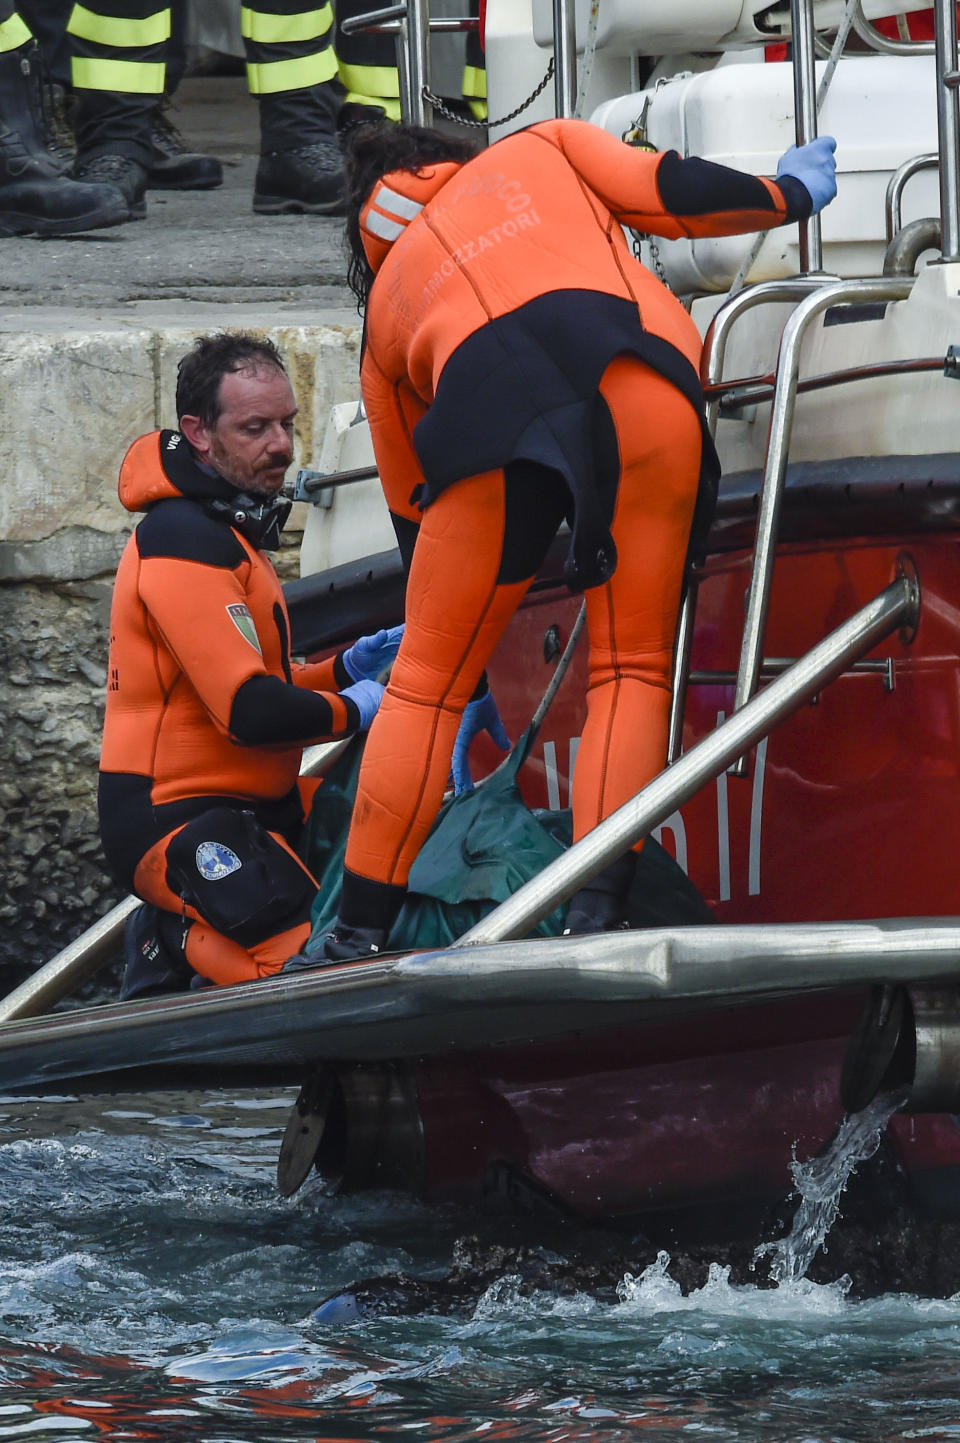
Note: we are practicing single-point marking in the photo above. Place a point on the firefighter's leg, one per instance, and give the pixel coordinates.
(118, 66)
(173, 164)
(292, 71)
(632, 619)
(367, 66)
(35, 198)
(242, 890)
(475, 70)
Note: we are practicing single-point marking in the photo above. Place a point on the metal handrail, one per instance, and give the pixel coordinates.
(805, 118)
(893, 288)
(948, 126)
(412, 26)
(392, 25)
(711, 369)
(896, 185)
(898, 605)
(565, 58)
(876, 40)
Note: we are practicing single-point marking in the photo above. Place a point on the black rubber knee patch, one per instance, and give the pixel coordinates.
(238, 877)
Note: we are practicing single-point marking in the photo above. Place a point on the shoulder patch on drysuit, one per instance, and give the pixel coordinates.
(242, 619)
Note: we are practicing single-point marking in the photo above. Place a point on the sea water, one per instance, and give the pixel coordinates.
(153, 1285)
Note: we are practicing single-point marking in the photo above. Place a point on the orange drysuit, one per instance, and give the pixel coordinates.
(207, 716)
(521, 365)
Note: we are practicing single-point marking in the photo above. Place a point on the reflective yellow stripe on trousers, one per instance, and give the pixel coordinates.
(127, 77)
(119, 34)
(13, 33)
(264, 29)
(273, 76)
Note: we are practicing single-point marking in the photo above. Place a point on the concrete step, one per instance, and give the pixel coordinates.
(92, 326)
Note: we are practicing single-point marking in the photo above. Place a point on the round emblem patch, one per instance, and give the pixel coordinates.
(215, 861)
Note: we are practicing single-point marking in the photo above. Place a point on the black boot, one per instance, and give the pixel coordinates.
(35, 199)
(58, 126)
(122, 172)
(174, 166)
(602, 905)
(307, 181)
(340, 944)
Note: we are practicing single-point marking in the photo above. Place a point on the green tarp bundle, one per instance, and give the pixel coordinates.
(483, 846)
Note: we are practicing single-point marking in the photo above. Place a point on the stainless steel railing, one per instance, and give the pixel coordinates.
(896, 606)
(895, 187)
(712, 360)
(892, 288)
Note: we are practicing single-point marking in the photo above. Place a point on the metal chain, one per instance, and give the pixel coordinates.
(655, 257)
(439, 104)
(636, 136)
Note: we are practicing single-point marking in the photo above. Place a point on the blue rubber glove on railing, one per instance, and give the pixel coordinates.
(366, 696)
(368, 656)
(478, 716)
(814, 166)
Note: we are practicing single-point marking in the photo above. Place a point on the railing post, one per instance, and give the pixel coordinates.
(775, 461)
(418, 61)
(948, 123)
(805, 116)
(565, 57)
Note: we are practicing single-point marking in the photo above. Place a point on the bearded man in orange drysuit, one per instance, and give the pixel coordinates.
(201, 805)
(521, 366)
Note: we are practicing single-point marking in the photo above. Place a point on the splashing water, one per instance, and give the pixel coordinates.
(820, 1183)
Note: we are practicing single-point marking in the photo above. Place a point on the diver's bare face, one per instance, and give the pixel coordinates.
(251, 442)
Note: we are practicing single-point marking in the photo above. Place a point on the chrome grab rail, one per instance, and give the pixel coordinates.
(948, 126)
(805, 118)
(896, 185)
(565, 58)
(876, 40)
(892, 288)
(896, 606)
(411, 24)
(711, 371)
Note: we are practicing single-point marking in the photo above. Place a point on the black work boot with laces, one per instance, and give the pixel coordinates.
(307, 181)
(174, 166)
(35, 197)
(124, 173)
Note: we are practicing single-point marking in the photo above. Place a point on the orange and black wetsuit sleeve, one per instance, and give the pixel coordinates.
(227, 637)
(660, 193)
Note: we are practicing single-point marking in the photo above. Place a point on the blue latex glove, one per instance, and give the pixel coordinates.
(366, 696)
(814, 166)
(368, 656)
(478, 716)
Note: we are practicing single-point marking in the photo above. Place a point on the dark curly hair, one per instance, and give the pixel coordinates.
(374, 151)
(201, 370)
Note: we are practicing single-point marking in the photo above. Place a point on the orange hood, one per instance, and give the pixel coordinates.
(396, 200)
(161, 465)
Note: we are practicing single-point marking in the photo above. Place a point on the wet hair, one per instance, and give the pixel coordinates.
(201, 370)
(374, 151)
